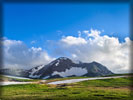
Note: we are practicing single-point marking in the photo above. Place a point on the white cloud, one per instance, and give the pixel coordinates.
(103, 49)
(87, 47)
(18, 55)
(93, 33)
(70, 40)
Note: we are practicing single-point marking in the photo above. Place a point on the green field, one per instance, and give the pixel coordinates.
(106, 89)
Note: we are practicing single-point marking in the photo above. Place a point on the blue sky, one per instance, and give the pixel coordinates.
(42, 22)
(50, 22)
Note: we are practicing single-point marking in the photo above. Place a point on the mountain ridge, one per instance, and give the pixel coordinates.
(65, 67)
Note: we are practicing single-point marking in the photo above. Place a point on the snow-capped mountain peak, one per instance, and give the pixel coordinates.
(65, 67)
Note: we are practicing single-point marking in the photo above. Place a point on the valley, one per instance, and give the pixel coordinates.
(102, 89)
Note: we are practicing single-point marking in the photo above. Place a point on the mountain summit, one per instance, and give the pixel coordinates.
(65, 67)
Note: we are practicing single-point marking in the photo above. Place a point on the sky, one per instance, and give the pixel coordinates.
(43, 32)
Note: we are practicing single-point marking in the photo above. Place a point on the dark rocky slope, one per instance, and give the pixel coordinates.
(64, 67)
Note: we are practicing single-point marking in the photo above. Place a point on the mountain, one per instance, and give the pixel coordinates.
(65, 67)
(13, 72)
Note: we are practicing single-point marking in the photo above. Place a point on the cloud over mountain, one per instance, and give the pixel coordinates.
(94, 47)
(89, 46)
(18, 55)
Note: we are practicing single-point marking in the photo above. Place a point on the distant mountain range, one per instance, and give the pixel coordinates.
(13, 72)
(65, 67)
(61, 67)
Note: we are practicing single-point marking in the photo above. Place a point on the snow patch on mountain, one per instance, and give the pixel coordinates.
(72, 71)
(34, 70)
(34, 76)
(51, 63)
(57, 63)
(45, 77)
(40, 67)
(63, 58)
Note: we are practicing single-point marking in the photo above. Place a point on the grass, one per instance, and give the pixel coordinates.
(114, 82)
(106, 89)
(129, 74)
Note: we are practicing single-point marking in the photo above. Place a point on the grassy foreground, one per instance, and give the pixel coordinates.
(107, 89)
